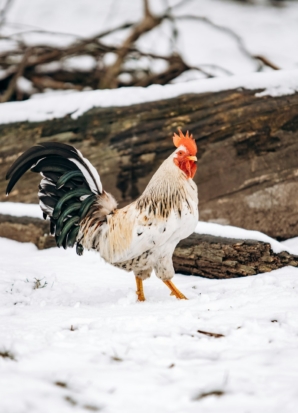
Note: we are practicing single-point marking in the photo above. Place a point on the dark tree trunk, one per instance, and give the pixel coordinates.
(248, 147)
(204, 255)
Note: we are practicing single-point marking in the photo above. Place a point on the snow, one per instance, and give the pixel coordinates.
(291, 243)
(56, 106)
(229, 231)
(19, 209)
(82, 343)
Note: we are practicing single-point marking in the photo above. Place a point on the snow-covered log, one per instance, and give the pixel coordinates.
(246, 130)
(218, 257)
(205, 255)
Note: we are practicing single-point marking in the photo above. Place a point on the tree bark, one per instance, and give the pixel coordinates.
(203, 255)
(218, 257)
(247, 159)
(26, 229)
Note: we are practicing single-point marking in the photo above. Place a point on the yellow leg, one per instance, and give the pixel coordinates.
(174, 290)
(140, 290)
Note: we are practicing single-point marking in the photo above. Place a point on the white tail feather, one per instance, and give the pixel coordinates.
(93, 180)
(46, 208)
(94, 172)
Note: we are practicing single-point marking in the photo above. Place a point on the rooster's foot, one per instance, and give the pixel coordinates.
(174, 290)
(140, 290)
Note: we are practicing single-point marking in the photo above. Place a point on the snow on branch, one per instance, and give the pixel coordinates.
(91, 63)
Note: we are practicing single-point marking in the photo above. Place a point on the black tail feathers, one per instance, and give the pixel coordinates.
(70, 185)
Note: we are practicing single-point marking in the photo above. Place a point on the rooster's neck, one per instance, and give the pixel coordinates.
(168, 189)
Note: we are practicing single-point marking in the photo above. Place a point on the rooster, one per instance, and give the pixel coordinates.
(141, 236)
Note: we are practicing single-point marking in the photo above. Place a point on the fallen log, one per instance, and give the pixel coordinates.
(203, 255)
(26, 229)
(247, 159)
(219, 257)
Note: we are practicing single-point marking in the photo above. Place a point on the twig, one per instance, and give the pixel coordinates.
(236, 37)
(216, 67)
(217, 393)
(175, 31)
(175, 57)
(218, 27)
(224, 29)
(45, 82)
(7, 354)
(102, 76)
(11, 87)
(207, 333)
(267, 62)
(109, 80)
(110, 31)
(97, 36)
(179, 4)
(4, 11)
(146, 9)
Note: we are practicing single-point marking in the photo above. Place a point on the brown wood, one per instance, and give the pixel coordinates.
(203, 255)
(219, 257)
(26, 229)
(248, 147)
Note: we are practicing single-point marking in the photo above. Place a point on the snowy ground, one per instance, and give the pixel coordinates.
(74, 339)
(82, 343)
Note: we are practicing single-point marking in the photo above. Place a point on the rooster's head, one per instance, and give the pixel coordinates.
(185, 154)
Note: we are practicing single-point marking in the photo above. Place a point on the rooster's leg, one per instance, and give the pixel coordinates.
(140, 290)
(175, 290)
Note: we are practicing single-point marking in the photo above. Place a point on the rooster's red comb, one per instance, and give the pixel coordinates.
(186, 140)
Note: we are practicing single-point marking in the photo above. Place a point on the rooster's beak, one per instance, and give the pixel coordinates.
(192, 158)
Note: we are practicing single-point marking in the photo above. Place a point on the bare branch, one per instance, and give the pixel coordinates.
(179, 4)
(217, 67)
(146, 8)
(267, 62)
(224, 29)
(4, 11)
(235, 36)
(207, 333)
(11, 87)
(109, 80)
(171, 18)
(22, 60)
(44, 82)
